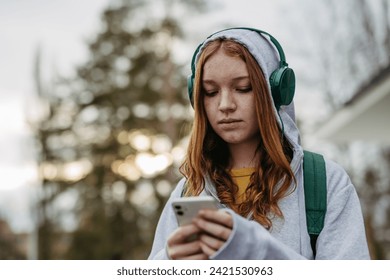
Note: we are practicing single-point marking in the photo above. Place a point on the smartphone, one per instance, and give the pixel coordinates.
(186, 208)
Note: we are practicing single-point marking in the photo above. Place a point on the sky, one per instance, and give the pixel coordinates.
(61, 28)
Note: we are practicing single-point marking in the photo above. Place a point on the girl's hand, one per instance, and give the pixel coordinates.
(216, 227)
(180, 248)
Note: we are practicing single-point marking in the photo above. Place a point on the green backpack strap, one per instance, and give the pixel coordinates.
(315, 194)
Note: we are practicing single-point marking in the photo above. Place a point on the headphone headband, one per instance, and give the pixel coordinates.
(260, 32)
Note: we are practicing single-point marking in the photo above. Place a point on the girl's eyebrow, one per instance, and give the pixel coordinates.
(239, 78)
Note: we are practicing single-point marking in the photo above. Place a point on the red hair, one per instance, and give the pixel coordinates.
(208, 154)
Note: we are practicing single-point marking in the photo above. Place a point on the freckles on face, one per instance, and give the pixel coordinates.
(229, 99)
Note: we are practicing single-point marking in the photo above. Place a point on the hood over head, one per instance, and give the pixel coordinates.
(267, 56)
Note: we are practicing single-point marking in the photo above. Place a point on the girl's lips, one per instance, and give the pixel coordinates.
(228, 121)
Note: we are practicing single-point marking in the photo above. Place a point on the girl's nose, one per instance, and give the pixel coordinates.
(226, 102)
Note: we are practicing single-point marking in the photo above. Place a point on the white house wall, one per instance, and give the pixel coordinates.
(367, 118)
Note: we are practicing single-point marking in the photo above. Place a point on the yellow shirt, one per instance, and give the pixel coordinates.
(242, 177)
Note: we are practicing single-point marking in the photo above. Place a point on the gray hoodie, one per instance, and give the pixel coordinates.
(343, 235)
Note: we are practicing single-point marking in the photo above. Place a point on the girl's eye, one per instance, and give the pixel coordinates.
(210, 92)
(244, 89)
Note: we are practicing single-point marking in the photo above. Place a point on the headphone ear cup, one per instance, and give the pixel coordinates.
(190, 88)
(282, 83)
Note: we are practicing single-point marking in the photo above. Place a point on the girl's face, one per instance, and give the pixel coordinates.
(229, 100)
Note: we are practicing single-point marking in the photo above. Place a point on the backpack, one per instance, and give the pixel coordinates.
(314, 183)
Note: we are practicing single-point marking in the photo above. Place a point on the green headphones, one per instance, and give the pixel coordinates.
(282, 80)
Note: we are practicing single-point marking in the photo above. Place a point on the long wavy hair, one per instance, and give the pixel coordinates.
(208, 155)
